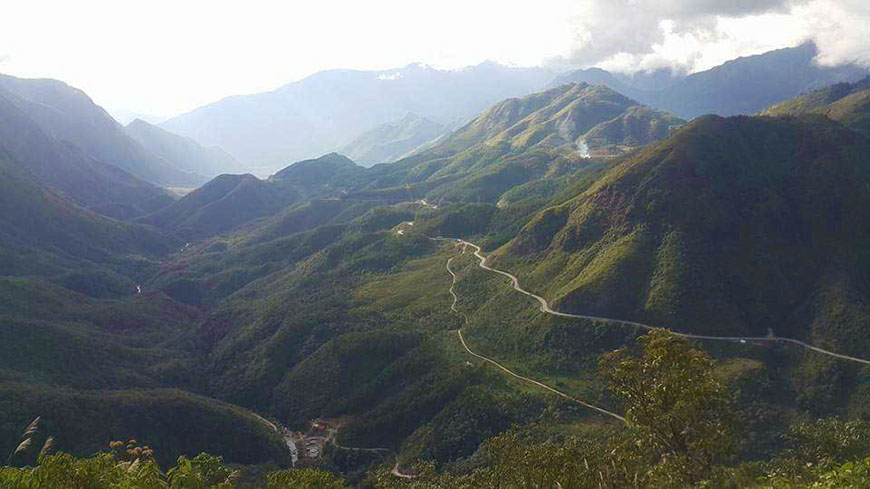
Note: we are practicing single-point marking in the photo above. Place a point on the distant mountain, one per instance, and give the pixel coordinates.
(848, 103)
(66, 168)
(390, 141)
(70, 115)
(745, 85)
(330, 109)
(125, 117)
(731, 226)
(630, 86)
(185, 153)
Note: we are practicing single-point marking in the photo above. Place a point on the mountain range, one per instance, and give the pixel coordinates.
(70, 115)
(185, 154)
(741, 86)
(512, 143)
(330, 109)
(69, 169)
(347, 295)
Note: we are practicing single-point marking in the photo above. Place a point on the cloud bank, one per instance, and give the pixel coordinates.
(692, 35)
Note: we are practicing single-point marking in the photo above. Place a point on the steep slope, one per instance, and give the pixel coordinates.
(220, 205)
(517, 141)
(86, 349)
(741, 86)
(70, 115)
(67, 169)
(42, 232)
(329, 109)
(389, 142)
(848, 103)
(185, 153)
(637, 126)
(561, 118)
(730, 226)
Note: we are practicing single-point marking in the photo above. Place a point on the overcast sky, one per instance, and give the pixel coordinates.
(166, 57)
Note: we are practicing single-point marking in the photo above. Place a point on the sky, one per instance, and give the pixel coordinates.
(162, 57)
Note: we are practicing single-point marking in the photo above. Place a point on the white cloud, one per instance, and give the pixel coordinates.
(840, 29)
(632, 35)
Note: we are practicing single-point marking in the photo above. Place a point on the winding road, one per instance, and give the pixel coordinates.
(545, 307)
(509, 371)
(396, 470)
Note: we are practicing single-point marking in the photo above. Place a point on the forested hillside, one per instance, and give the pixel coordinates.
(507, 307)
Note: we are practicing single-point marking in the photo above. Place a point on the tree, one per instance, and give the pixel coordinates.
(678, 410)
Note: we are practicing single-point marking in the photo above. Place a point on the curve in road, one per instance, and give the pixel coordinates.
(396, 470)
(509, 371)
(545, 307)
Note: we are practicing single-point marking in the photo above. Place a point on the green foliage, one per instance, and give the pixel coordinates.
(201, 472)
(174, 422)
(678, 408)
(829, 440)
(751, 206)
(307, 478)
(135, 469)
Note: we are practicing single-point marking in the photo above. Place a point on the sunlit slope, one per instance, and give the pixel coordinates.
(731, 226)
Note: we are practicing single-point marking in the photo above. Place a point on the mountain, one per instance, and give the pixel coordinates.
(629, 85)
(744, 85)
(220, 205)
(317, 297)
(848, 103)
(389, 142)
(517, 141)
(731, 226)
(638, 126)
(70, 115)
(231, 200)
(330, 109)
(512, 143)
(563, 117)
(67, 169)
(42, 232)
(185, 153)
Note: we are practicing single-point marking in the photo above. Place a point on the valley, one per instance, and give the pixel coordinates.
(552, 285)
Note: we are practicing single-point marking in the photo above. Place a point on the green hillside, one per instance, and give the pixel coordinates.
(731, 226)
(42, 231)
(229, 201)
(847, 103)
(393, 140)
